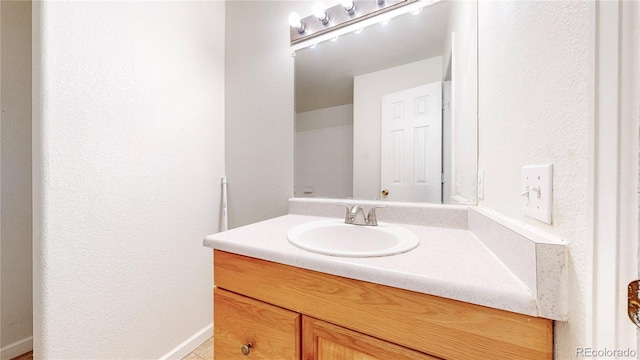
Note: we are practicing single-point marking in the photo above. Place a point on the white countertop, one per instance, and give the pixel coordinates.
(450, 263)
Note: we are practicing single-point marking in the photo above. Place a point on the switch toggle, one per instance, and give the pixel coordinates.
(537, 192)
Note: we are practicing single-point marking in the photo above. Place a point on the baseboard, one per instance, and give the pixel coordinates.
(188, 345)
(17, 348)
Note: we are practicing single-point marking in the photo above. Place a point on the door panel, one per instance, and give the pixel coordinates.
(325, 341)
(411, 148)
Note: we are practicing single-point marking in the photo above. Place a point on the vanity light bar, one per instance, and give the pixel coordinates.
(338, 16)
(356, 25)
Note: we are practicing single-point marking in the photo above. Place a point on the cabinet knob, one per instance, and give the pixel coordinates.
(246, 349)
(385, 192)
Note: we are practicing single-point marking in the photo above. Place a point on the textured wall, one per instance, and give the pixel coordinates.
(128, 154)
(368, 90)
(15, 183)
(534, 66)
(259, 108)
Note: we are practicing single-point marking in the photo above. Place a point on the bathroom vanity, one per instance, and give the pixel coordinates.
(449, 298)
(286, 312)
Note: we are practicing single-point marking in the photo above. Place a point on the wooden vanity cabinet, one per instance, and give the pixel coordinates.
(293, 313)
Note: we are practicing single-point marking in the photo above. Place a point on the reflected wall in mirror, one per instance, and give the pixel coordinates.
(390, 113)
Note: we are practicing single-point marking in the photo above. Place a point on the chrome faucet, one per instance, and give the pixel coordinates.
(355, 215)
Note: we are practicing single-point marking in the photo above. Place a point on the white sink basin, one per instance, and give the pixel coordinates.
(334, 237)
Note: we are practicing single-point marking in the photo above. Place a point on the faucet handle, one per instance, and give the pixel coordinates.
(346, 215)
(345, 205)
(371, 217)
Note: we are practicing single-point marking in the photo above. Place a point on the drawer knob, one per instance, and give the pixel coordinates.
(246, 349)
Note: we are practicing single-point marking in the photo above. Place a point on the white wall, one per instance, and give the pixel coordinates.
(534, 108)
(128, 153)
(341, 115)
(259, 109)
(15, 181)
(324, 152)
(368, 90)
(324, 162)
(464, 102)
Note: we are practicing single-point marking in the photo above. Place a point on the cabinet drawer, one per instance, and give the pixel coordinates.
(274, 333)
(324, 341)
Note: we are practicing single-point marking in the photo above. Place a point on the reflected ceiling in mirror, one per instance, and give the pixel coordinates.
(324, 74)
(347, 147)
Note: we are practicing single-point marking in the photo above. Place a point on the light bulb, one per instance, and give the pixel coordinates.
(295, 22)
(349, 6)
(320, 13)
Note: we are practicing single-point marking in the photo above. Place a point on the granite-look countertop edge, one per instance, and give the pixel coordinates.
(426, 269)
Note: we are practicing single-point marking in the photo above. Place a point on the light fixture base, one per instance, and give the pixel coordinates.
(341, 17)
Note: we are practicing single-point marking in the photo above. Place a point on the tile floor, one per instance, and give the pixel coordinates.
(203, 352)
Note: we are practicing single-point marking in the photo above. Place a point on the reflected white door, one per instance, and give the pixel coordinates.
(411, 144)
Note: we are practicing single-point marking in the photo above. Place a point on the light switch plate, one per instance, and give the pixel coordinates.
(537, 192)
(481, 184)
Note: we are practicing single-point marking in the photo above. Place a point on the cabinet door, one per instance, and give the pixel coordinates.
(273, 332)
(325, 341)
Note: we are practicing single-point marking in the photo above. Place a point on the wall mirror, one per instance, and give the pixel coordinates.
(390, 112)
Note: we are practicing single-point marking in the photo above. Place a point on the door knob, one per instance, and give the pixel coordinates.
(385, 192)
(246, 349)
